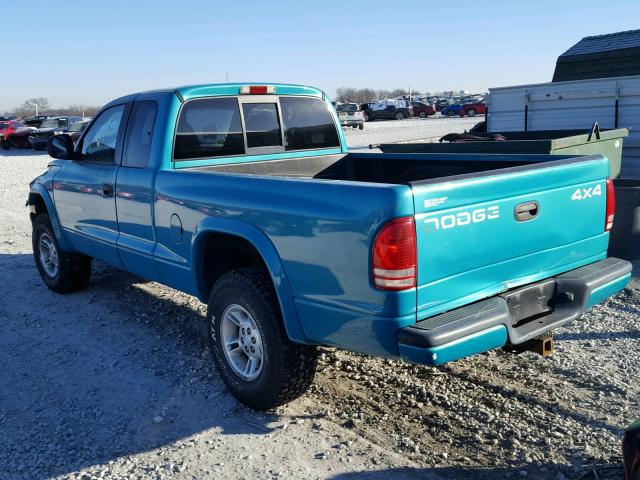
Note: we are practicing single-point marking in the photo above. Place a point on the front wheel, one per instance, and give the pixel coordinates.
(471, 112)
(451, 112)
(399, 116)
(423, 114)
(6, 145)
(62, 272)
(251, 350)
(361, 126)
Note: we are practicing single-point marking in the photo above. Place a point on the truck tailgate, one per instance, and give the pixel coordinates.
(480, 234)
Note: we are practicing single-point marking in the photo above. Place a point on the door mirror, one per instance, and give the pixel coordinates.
(61, 146)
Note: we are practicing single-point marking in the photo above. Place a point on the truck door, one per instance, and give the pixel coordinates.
(135, 190)
(84, 189)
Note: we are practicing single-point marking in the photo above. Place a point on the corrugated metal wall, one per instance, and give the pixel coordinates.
(567, 105)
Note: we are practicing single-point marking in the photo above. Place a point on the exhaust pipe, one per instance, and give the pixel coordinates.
(541, 345)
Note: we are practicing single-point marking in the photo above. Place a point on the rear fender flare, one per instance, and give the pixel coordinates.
(269, 255)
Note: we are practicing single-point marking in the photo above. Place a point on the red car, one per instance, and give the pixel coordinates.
(473, 109)
(9, 126)
(422, 110)
(14, 133)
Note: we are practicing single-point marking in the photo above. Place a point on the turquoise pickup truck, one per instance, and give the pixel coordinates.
(245, 196)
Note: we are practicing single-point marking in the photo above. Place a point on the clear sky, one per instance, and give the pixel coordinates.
(92, 51)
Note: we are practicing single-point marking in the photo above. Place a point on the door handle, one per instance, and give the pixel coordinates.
(526, 211)
(107, 189)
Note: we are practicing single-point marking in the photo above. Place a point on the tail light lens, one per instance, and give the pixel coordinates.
(394, 255)
(611, 205)
(257, 89)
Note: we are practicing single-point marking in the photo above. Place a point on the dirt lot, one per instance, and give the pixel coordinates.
(117, 382)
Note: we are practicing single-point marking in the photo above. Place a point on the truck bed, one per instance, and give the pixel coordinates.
(390, 168)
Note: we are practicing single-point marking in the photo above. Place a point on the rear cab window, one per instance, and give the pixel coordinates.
(253, 125)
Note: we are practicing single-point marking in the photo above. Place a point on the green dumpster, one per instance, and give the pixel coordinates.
(553, 142)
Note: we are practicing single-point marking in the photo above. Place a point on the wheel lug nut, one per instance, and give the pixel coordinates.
(253, 340)
(243, 331)
(248, 331)
(253, 350)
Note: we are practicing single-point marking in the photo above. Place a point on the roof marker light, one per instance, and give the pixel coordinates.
(257, 90)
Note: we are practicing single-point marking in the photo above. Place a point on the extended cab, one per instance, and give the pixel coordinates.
(246, 197)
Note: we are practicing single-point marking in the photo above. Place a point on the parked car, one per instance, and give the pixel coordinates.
(388, 110)
(452, 110)
(473, 109)
(350, 115)
(422, 110)
(50, 127)
(75, 129)
(294, 242)
(19, 138)
(4, 118)
(35, 120)
(7, 127)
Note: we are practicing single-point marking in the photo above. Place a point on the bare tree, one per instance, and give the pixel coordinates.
(36, 106)
(382, 94)
(367, 95)
(84, 110)
(398, 92)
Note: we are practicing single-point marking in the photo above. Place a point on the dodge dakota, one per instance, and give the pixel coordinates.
(246, 196)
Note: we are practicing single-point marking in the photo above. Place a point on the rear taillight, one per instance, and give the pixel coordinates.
(611, 206)
(394, 255)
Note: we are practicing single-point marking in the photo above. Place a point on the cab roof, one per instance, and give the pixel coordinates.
(188, 92)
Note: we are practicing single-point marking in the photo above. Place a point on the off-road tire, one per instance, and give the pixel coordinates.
(74, 269)
(288, 368)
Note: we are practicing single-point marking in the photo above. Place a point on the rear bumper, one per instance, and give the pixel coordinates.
(38, 142)
(505, 319)
(350, 122)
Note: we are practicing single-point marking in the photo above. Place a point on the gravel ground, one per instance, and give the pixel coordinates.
(117, 382)
(426, 129)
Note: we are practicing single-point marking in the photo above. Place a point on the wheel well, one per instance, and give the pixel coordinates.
(38, 202)
(223, 253)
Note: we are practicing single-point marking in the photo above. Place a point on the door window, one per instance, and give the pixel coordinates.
(99, 144)
(137, 143)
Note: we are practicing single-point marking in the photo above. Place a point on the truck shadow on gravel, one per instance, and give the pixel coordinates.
(547, 472)
(120, 368)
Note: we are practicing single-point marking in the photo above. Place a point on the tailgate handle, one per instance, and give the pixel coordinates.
(526, 211)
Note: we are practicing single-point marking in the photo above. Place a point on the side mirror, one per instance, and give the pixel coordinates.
(61, 146)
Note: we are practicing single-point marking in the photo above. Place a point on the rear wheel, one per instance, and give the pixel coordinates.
(471, 112)
(62, 272)
(6, 145)
(361, 126)
(399, 116)
(423, 114)
(251, 350)
(451, 112)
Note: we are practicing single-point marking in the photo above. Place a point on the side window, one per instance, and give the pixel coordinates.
(262, 124)
(137, 142)
(307, 124)
(209, 128)
(99, 144)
